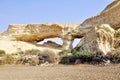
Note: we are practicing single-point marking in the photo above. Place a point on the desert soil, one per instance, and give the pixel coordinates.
(61, 72)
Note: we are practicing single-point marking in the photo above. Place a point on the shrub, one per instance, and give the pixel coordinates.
(77, 53)
(65, 58)
(80, 53)
(8, 59)
(63, 53)
(48, 56)
(117, 34)
(107, 29)
(115, 57)
(32, 62)
(33, 52)
(21, 61)
(98, 58)
(2, 53)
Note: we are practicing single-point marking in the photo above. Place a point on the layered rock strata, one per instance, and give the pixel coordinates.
(102, 43)
(96, 32)
(38, 32)
(98, 39)
(110, 15)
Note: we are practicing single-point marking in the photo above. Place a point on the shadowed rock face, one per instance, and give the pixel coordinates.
(98, 40)
(105, 40)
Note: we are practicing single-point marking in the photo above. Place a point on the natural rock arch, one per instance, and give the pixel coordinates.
(68, 32)
(38, 32)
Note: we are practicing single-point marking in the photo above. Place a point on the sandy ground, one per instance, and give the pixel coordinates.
(61, 72)
(16, 46)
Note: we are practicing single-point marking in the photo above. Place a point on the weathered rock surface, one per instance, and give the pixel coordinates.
(95, 32)
(117, 43)
(38, 32)
(98, 39)
(52, 44)
(117, 39)
(110, 15)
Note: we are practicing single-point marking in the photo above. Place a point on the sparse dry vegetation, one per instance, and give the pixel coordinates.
(114, 56)
(8, 59)
(117, 34)
(2, 53)
(48, 56)
(28, 56)
(85, 56)
(32, 52)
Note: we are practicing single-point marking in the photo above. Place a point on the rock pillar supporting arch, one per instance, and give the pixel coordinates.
(67, 42)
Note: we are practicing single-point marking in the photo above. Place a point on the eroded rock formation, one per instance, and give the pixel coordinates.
(98, 39)
(38, 32)
(110, 15)
(51, 44)
(97, 32)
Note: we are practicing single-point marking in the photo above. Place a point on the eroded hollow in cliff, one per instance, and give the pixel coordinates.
(51, 42)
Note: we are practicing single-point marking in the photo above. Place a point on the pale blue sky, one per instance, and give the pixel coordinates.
(39, 11)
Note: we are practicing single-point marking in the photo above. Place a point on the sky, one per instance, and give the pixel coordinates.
(41, 11)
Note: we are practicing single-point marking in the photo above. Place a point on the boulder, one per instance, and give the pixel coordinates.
(98, 39)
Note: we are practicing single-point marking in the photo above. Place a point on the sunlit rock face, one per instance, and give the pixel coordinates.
(110, 15)
(98, 39)
(95, 39)
(32, 32)
(96, 32)
(38, 32)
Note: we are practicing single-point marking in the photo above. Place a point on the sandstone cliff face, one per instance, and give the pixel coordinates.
(32, 32)
(98, 39)
(96, 32)
(117, 39)
(38, 32)
(110, 15)
(101, 40)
